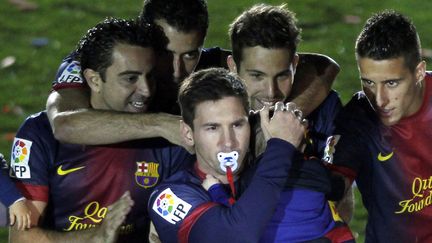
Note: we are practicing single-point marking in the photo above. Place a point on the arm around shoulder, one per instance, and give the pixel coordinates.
(313, 80)
(74, 121)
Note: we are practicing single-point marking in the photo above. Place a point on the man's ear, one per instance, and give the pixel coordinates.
(93, 79)
(420, 71)
(186, 133)
(231, 64)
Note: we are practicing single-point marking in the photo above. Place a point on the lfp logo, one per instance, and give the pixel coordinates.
(20, 158)
(73, 68)
(165, 204)
(71, 74)
(170, 207)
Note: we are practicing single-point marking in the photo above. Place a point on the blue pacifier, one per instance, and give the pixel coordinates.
(228, 160)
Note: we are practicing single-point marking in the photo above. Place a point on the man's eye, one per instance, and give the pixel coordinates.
(367, 83)
(392, 83)
(255, 76)
(211, 128)
(132, 79)
(191, 56)
(238, 125)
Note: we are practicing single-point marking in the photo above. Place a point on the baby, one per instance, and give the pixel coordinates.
(10, 197)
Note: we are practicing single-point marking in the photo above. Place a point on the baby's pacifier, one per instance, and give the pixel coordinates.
(228, 160)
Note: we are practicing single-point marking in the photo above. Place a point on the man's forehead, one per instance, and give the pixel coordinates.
(220, 109)
(260, 51)
(169, 28)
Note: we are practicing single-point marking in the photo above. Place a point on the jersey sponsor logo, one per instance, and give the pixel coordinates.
(384, 158)
(422, 196)
(170, 207)
(20, 158)
(71, 74)
(62, 172)
(330, 149)
(147, 174)
(93, 215)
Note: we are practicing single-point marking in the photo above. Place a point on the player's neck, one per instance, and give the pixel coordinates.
(204, 168)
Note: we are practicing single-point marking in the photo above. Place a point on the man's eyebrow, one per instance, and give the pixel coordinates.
(128, 72)
(210, 124)
(255, 71)
(382, 81)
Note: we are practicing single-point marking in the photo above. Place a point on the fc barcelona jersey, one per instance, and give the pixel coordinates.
(79, 182)
(392, 166)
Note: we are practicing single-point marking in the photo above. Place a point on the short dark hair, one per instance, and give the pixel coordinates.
(184, 15)
(388, 35)
(96, 47)
(264, 25)
(209, 85)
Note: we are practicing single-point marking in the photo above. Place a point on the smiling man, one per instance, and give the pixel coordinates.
(70, 186)
(185, 24)
(264, 41)
(384, 134)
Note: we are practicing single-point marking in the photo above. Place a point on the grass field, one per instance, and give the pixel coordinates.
(329, 27)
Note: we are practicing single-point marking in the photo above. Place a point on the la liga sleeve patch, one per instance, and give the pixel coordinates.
(170, 207)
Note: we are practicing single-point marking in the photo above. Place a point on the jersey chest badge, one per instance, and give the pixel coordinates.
(147, 174)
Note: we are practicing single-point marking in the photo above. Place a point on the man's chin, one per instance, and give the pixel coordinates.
(389, 121)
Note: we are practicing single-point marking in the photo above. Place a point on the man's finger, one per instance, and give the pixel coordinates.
(264, 115)
(279, 106)
(28, 221)
(290, 106)
(11, 219)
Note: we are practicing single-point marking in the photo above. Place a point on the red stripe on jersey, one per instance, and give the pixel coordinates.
(33, 192)
(189, 221)
(340, 234)
(347, 172)
(58, 86)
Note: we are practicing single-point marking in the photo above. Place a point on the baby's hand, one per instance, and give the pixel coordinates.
(209, 181)
(19, 213)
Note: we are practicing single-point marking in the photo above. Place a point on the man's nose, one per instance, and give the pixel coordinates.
(178, 67)
(229, 140)
(144, 87)
(381, 97)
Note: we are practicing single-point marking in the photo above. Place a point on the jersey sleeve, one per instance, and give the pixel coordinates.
(322, 124)
(174, 159)
(8, 191)
(245, 221)
(346, 151)
(218, 194)
(169, 205)
(31, 155)
(69, 74)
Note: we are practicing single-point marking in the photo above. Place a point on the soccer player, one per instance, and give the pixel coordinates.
(70, 186)
(11, 198)
(184, 23)
(264, 41)
(215, 108)
(384, 133)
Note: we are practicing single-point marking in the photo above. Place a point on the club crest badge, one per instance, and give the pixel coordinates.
(147, 174)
